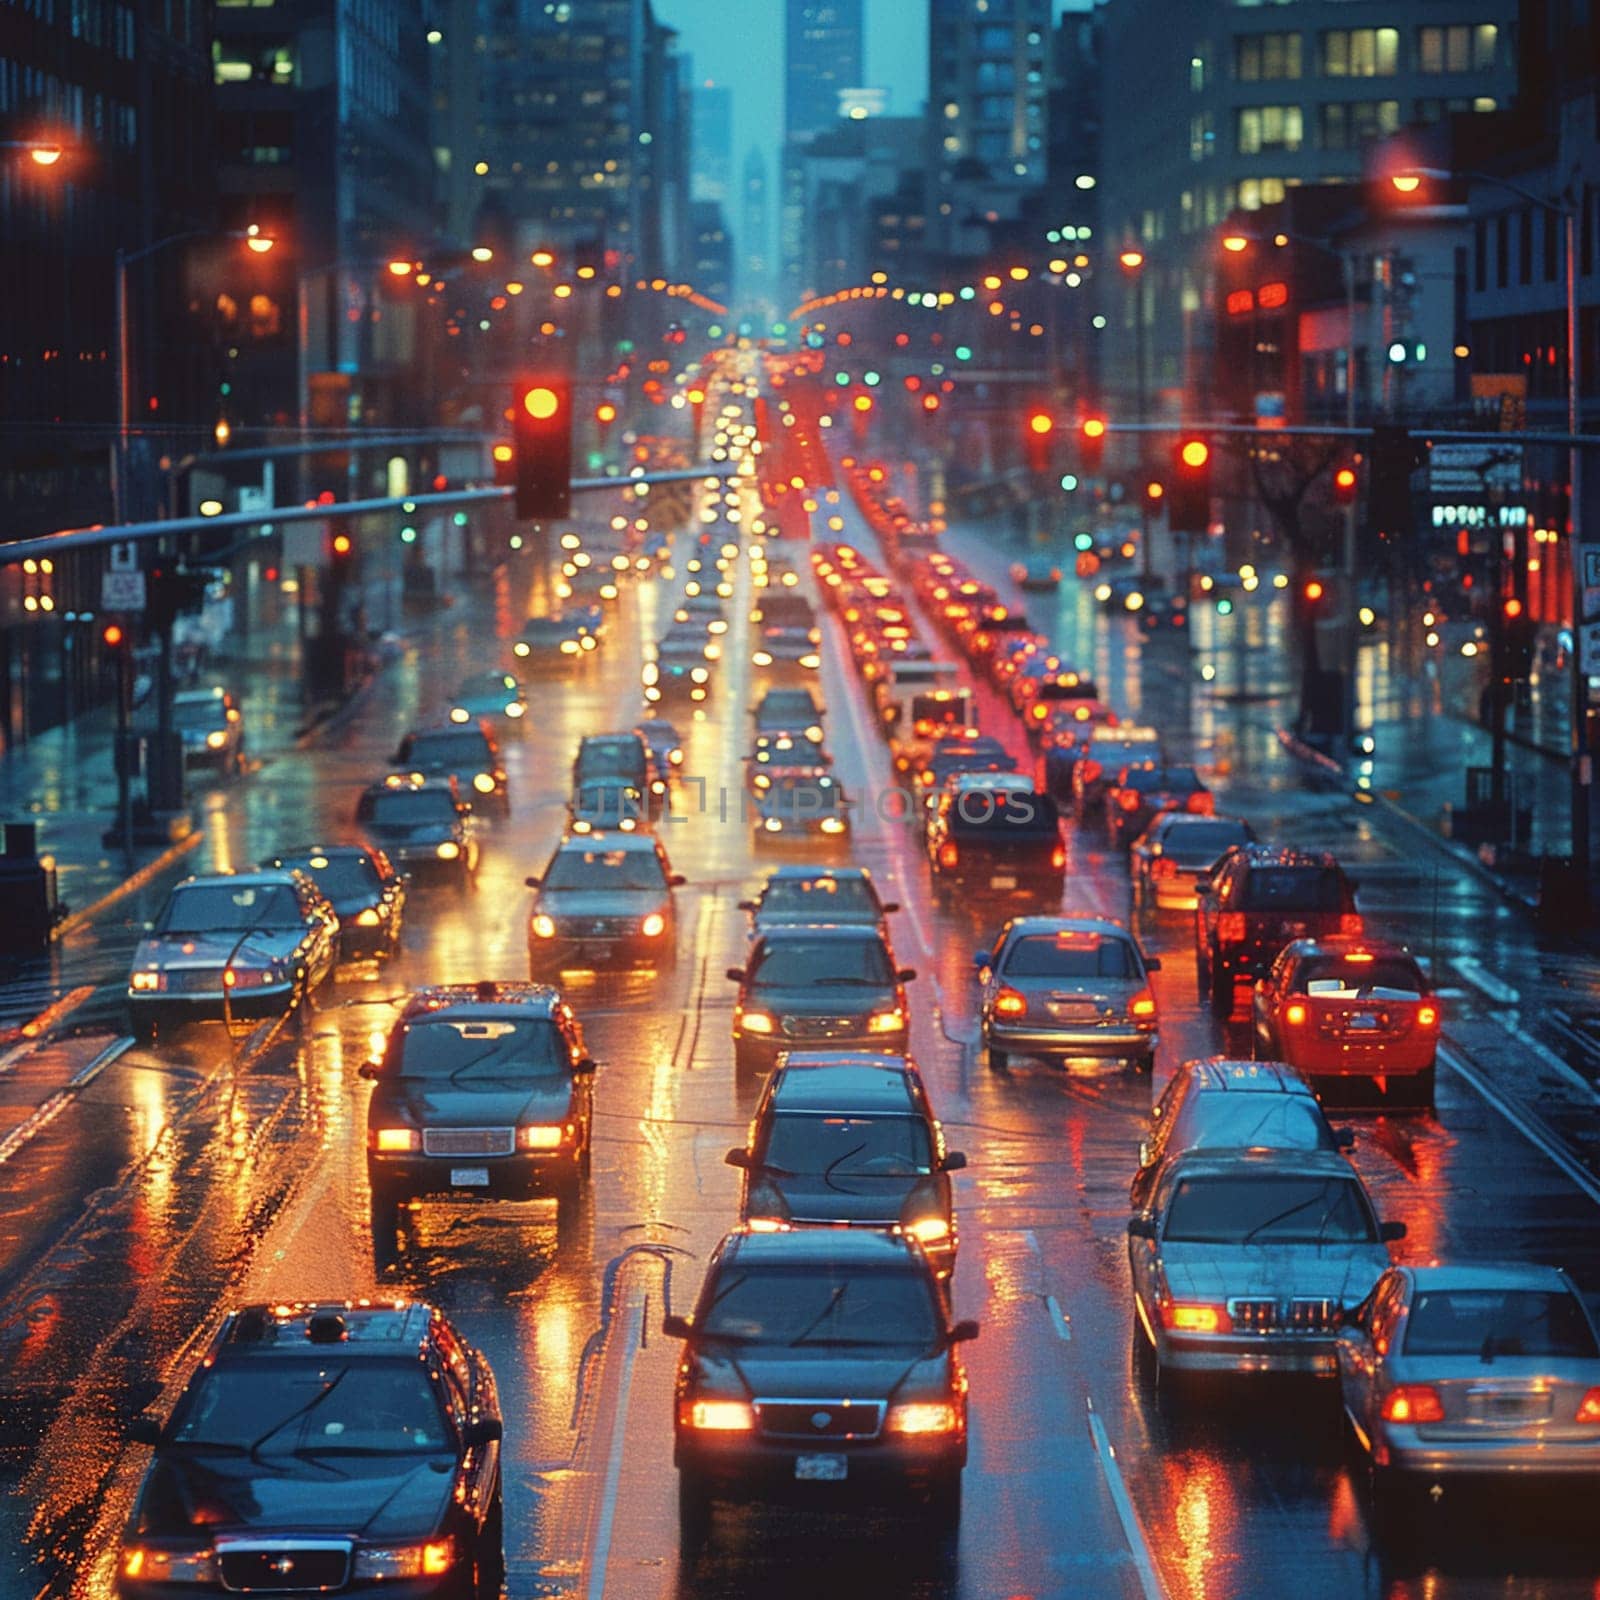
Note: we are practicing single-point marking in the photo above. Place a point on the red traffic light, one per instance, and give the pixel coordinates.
(1154, 490)
(1094, 427)
(541, 402)
(1313, 590)
(1344, 486)
(605, 413)
(341, 544)
(1513, 608)
(112, 636)
(1194, 453)
(1041, 423)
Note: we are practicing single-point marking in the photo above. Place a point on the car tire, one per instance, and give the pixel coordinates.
(387, 1199)
(1221, 994)
(694, 1512)
(999, 1060)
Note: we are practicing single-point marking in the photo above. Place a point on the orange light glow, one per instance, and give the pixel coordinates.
(1094, 428)
(341, 544)
(1196, 452)
(1041, 422)
(1132, 259)
(541, 403)
(1294, 1014)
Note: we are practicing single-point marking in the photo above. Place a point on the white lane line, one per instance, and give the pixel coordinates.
(1485, 981)
(1138, 1546)
(1526, 1126)
(601, 1556)
(1059, 1318)
(1543, 1051)
(37, 1121)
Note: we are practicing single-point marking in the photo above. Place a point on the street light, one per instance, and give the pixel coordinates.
(1407, 182)
(42, 152)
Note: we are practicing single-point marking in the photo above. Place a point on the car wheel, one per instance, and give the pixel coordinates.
(1221, 994)
(999, 1060)
(386, 1202)
(694, 1512)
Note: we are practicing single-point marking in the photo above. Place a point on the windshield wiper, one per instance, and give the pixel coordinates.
(295, 1416)
(1283, 1216)
(849, 979)
(804, 1336)
(827, 1172)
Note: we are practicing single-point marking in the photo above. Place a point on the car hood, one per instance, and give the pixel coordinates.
(1209, 1272)
(376, 1497)
(475, 1102)
(870, 1198)
(258, 948)
(601, 902)
(851, 1372)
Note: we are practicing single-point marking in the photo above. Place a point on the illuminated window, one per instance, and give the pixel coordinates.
(1361, 52)
(1267, 57)
(1262, 128)
(1459, 47)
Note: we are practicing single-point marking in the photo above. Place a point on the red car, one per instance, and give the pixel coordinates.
(1351, 1008)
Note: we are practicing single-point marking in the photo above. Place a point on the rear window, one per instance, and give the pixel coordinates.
(1486, 1323)
(1339, 976)
(1295, 889)
(1202, 841)
(1255, 1121)
(1170, 780)
(939, 711)
(992, 813)
(1069, 955)
(821, 898)
(445, 752)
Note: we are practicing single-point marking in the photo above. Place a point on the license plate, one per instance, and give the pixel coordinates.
(1363, 1021)
(822, 1469)
(469, 1177)
(1002, 881)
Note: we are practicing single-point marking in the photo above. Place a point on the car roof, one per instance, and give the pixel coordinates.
(631, 737)
(607, 839)
(430, 730)
(832, 1059)
(412, 781)
(291, 877)
(843, 1088)
(358, 1327)
(1232, 1163)
(824, 1247)
(796, 869)
(1125, 733)
(334, 852)
(1489, 1275)
(1010, 782)
(1106, 927)
(482, 1002)
(1223, 1075)
(1188, 819)
(1282, 855)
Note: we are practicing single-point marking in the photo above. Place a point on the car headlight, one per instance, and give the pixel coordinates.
(773, 825)
(653, 926)
(762, 658)
(676, 758)
(516, 709)
(833, 824)
(713, 652)
(460, 714)
(924, 1416)
(216, 739)
(719, 626)
(720, 1416)
(520, 648)
(148, 1564)
(929, 1230)
(588, 641)
(699, 674)
(429, 1560)
(448, 850)
(651, 674)
(582, 826)
(540, 1136)
(811, 661)
(483, 782)
(368, 918)
(544, 927)
(146, 982)
(891, 1021)
(755, 1021)
(396, 1141)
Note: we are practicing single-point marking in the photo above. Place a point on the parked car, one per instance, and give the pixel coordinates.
(367, 894)
(1176, 851)
(604, 898)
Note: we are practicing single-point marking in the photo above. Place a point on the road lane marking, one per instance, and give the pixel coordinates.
(79, 920)
(1543, 1051)
(1138, 1546)
(601, 1556)
(37, 1121)
(1485, 981)
(1529, 1128)
(1059, 1318)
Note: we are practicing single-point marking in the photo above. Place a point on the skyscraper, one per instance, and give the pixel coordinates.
(755, 229)
(713, 142)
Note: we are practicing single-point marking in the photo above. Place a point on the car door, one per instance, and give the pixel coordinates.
(1153, 1148)
(1362, 1346)
(1266, 1002)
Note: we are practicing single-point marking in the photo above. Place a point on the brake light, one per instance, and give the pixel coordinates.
(1128, 799)
(1414, 1402)
(1183, 1318)
(1427, 1016)
(1350, 922)
(1230, 927)
(1058, 856)
(1091, 770)
(1009, 1003)
(947, 854)
(1294, 1014)
(1203, 803)
(1164, 868)
(1143, 1004)
(1589, 1408)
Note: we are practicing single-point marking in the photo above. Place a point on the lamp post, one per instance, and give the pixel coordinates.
(1132, 263)
(1565, 207)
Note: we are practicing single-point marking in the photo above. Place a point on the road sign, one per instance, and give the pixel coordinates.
(121, 591)
(124, 556)
(1474, 468)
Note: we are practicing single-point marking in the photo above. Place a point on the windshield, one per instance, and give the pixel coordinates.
(607, 870)
(1069, 955)
(820, 899)
(820, 1305)
(324, 1405)
(405, 808)
(489, 684)
(1484, 1323)
(806, 963)
(1269, 1210)
(462, 1049)
(1295, 889)
(940, 711)
(805, 1143)
(338, 877)
(611, 759)
(230, 908)
(208, 713)
(1344, 978)
(446, 752)
(779, 710)
(999, 812)
(1173, 780)
(1083, 689)
(547, 630)
(802, 797)
(1201, 842)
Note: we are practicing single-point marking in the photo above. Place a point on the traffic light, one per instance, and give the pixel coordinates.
(604, 415)
(1037, 439)
(1395, 456)
(1189, 504)
(169, 591)
(1155, 491)
(505, 465)
(541, 421)
(113, 636)
(1344, 486)
(1312, 592)
(1092, 444)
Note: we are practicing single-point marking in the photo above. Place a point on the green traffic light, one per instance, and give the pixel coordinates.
(1224, 607)
(1083, 541)
(460, 519)
(408, 535)
(963, 352)
(1069, 481)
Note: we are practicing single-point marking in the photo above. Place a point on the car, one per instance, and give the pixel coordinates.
(600, 804)
(799, 807)
(994, 835)
(1104, 754)
(1067, 987)
(834, 983)
(1144, 789)
(466, 751)
(1247, 1261)
(961, 753)
(423, 824)
(799, 747)
(703, 609)
(787, 650)
(664, 743)
(1351, 1008)
(916, 724)
(1481, 1370)
(680, 671)
(819, 1367)
(802, 895)
(490, 697)
(553, 644)
(367, 894)
(849, 1141)
(1254, 901)
(788, 710)
(387, 1401)
(1036, 575)
(482, 1092)
(1176, 850)
(211, 726)
(1061, 737)
(594, 585)
(235, 946)
(780, 607)
(621, 756)
(603, 898)
(1217, 1104)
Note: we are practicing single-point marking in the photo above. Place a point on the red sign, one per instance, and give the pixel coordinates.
(1240, 301)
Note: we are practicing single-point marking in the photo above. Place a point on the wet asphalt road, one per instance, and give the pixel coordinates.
(185, 1179)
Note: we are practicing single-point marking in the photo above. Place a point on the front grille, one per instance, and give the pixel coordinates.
(1278, 1316)
(194, 980)
(601, 927)
(820, 1027)
(284, 1566)
(820, 1419)
(468, 1141)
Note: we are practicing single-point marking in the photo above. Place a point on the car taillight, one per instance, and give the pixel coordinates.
(1230, 927)
(1350, 922)
(1413, 1402)
(1294, 1014)
(1009, 1003)
(1143, 1004)
(1203, 803)
(1427, 1016)
(1040, 711)
(1091, 770)
(1589, 1407)
(1188, 1318)
(1058, 856)
(1128, 799)
(948, 854)
(1164, 868)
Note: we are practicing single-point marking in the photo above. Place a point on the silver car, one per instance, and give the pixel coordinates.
(1175, 852)
(1067, 986)
(1480, 1367)
(1248, 1260)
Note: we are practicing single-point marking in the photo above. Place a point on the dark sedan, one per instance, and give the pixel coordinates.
(366, 891)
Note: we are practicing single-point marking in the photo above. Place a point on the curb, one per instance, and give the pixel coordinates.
(131, 885)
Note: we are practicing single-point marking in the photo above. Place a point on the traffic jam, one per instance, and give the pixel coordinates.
(797, 1052)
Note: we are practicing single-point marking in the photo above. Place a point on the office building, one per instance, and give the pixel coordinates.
(713, 143)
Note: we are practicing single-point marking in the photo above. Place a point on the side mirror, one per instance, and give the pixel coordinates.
(368, 1070)
(981, 958)
(1141, 1227)
(1391, 1232)
(735, 974)
(1152, 963)
(1344, 1138)
(906, 975)
(955, 1161)
(585, 1065)
(532, 882)
(482, 1431)
(738, 1157)
(145, 1429)
(676, 880)
(747, 905)
(675, 1327)
(963, 1332)
(889, 907)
